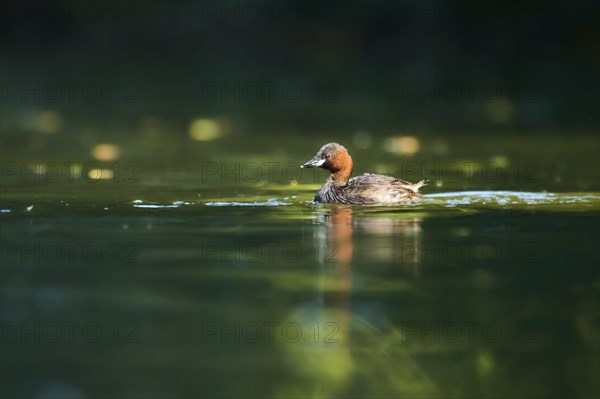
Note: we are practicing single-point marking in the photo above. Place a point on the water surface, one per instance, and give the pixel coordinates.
(468, 294)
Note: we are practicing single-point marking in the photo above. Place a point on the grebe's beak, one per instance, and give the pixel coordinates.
(313, 163)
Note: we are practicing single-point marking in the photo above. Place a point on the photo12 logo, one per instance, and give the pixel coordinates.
(266, 12)
(68, 92)
(471, 251)
(71, 172)
(268, 332)
(72, 11)
(268, 92)
(254, 172)
(466, 92)
(71, 252)
(526, 332)
(68, 332)
(263, 253)
(471, 172)
(463, 12)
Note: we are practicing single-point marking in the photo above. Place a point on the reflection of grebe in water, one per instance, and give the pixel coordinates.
(356, 335)
(339, 238)
(395, 240)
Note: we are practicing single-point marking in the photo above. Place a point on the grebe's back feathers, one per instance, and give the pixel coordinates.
(371, 189)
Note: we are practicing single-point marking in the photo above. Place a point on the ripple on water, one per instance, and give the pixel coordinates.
(459, 199)
(177, 204)
(269, 202)
(508, 198)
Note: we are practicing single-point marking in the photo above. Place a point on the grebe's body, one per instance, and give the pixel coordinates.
(368, 189)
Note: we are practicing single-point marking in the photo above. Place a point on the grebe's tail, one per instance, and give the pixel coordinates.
(418, 185)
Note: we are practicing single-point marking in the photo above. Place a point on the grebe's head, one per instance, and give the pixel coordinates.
(333, 157)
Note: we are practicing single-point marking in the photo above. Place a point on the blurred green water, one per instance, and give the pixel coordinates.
(202, 269)
(134, 290)
(158, 240)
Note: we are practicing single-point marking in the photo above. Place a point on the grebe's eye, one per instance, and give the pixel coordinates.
(327, 156)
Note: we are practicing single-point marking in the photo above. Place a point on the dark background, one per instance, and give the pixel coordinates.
(379, 64)
(511, 83)
(161, 91)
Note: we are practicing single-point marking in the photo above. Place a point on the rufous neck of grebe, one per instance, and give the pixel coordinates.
(341, 167)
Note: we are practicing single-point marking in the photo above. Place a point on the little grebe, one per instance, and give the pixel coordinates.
(368, 189)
